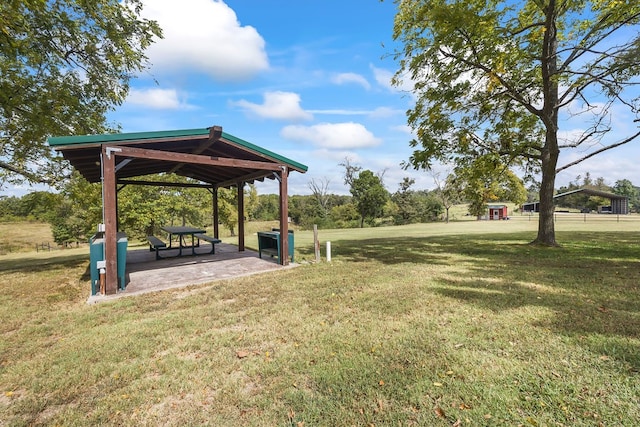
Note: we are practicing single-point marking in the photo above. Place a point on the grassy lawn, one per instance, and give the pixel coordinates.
(24, 236)
(427, 325)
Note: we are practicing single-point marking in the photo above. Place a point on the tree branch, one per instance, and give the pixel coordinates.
(578, 52)
(27, 174)
(608, 147)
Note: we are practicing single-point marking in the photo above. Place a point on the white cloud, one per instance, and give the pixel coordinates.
(346, 78)
(341, 112)
(158, 99)
(385, 112)
(406, 129)
(378, 113)
(204, 35)
(383, 78)
(276, 105)
(342, 136)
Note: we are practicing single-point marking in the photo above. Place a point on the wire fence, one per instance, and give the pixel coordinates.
(581, 217)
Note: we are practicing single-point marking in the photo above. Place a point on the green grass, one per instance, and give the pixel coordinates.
(432, 324)
(24, 236)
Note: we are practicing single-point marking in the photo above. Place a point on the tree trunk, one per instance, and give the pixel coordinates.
(546, 226)
(550, 152)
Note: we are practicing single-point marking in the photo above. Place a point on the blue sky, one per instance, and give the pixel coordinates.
(308, 79)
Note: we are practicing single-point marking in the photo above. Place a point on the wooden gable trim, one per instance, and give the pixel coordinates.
(144, 153)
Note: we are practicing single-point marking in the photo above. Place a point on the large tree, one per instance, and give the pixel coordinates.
(624, 187)
(493, 78)
(485, 181)
(369, 196)
(446, 192)
(63, 65)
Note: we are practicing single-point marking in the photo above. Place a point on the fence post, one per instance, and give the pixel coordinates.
(316, 242)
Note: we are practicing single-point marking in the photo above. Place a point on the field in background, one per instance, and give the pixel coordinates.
(25, 237)
(430, 324)
(31, 237)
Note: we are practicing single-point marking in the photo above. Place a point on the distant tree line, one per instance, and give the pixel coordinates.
(76, 210)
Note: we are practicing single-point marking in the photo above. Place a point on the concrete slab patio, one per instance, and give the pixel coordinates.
(146, 274)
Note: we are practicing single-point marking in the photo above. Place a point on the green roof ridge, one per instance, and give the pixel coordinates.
(264, 151)
(55, 141)
(113, 137)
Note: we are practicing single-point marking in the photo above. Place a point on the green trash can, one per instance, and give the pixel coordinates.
(96, 253)
(270, 242)
(122, 243)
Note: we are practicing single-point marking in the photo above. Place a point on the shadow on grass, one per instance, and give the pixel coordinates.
(29, 264)
(591, 283)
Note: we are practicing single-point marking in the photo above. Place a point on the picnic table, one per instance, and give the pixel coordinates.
(183, 233)
(179, 239)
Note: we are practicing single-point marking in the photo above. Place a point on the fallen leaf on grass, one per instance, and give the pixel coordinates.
(242, 354)
(604, 357)
(440, 412)
(458, 423)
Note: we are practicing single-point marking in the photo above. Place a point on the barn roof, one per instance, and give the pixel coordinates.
(176, 151)
(592, 192)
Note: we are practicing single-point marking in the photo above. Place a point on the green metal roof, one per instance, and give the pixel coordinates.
(122, 137)
(114, 138)
(84, 154)
(264, 151)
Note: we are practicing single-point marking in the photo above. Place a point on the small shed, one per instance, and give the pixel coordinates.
(497, 212)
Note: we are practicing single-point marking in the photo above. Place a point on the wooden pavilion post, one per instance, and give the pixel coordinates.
(284, 216)
(216, 214)
(110, 220)
(240, 216)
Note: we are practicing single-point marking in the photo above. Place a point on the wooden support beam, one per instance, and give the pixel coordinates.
(110, 220)
(216, 215)
(193, 158)
(284, 216)
(215, 133)
(241, 217)
(165, 184)
(250, 177)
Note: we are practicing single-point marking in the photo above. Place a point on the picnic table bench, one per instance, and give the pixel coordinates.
(209, 239)
(155, 244)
